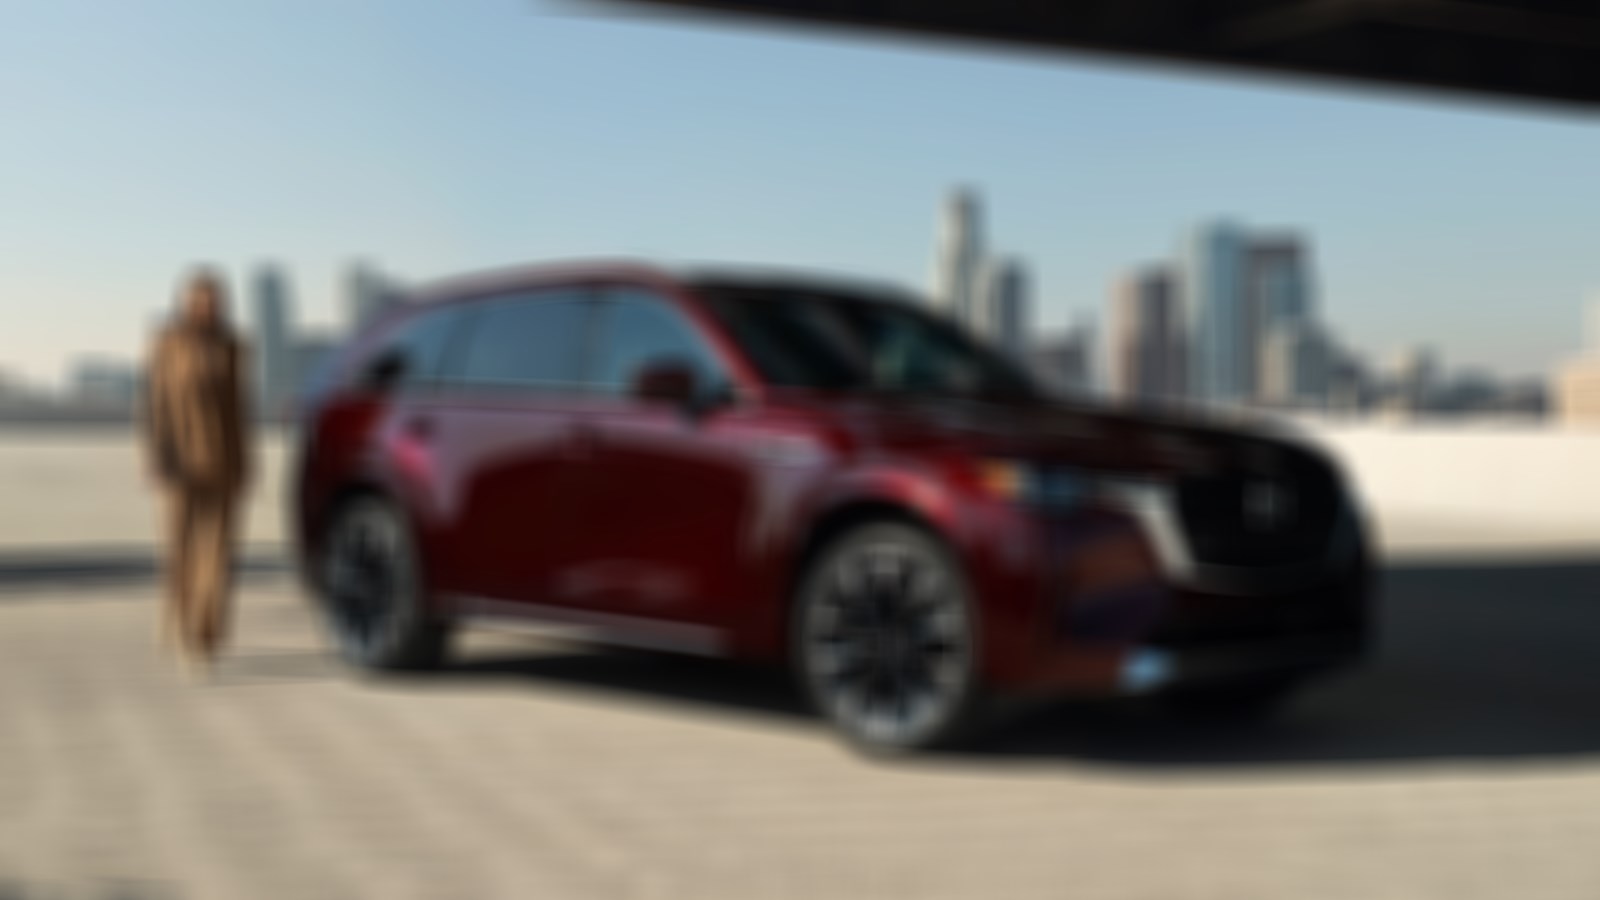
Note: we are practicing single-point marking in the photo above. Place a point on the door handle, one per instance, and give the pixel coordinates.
(420, 427)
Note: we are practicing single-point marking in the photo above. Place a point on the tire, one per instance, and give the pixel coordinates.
(373, 593)
(884, 640)
(1235, 702)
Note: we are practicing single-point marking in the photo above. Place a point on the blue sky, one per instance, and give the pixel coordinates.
(431, 137)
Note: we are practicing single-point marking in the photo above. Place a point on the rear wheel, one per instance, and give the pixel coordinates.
(373, 593)
(885, 639)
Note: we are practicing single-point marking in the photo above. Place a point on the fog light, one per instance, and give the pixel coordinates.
(1144, 670)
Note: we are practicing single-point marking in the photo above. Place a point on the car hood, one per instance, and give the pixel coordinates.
(1076, 434)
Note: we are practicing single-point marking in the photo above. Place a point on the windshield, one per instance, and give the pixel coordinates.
(804, 340)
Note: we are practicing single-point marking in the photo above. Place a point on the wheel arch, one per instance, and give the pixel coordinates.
(326, 513)
(340, 498)
(841, 518)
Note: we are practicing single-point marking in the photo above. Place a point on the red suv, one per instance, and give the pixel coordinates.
(812, 472)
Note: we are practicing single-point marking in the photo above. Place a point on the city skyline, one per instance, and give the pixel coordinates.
(449, 138)
(1224, 283)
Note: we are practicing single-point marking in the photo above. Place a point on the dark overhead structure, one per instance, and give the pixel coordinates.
(1538, 50)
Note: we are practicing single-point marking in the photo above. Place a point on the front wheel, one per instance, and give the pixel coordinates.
(373, 593)
(885, 639)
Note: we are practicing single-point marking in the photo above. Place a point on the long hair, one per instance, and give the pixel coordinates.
(202, 278)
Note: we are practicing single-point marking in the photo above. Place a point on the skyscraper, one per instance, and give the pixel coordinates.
(1592, 326)
(1576, 387)
(1350, 384)
(1415, 378)
(1277, 296)
(1297, 363)
(1211, 278)
(958, 267)
(1002, 311)
(274, 356)
(1064, 362)
(1145, 352)
(367, 294)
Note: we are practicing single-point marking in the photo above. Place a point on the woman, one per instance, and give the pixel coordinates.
(197, 438)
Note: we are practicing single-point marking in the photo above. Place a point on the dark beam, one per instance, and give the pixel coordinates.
(1296, 21)
(1464, 46)
(1500, 22)
(1302, 20)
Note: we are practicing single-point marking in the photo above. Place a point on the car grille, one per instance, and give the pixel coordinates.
(1279, 515)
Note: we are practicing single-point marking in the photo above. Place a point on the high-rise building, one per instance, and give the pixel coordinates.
(1413, 380)
(1277, 294)
(273, 330)
(1145, 351)
(1470, 391)
(1064, 362)
(958, 267)
(1351, 386)
(1297, 363)
(367, 294)
(1576, 392)
(1212, 273)
(1592, 327)
(1003, 313)
(1244, 292)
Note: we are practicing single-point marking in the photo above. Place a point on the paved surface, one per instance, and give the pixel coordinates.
(1465, 763)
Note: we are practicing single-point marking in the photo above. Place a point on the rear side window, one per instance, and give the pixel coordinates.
(525, 341)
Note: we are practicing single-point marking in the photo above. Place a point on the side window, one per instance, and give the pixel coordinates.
(422, 342)
(532, 340)
(639, 330)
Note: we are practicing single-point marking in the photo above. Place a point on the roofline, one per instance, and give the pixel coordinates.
(648, 272)
(533, 275)
(796, 278)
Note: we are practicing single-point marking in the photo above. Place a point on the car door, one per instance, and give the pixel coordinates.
(669, 496)
(507, 446)
(403, 377)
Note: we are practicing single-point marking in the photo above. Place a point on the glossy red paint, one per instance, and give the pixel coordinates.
(628, 507)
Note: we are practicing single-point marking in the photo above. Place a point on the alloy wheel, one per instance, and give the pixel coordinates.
(887, 641)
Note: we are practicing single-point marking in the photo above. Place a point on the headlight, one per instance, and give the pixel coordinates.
(1032, 485)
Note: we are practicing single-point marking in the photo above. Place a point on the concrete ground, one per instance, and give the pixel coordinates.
(1463, 763)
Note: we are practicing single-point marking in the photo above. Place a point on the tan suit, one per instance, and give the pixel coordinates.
(198, 444)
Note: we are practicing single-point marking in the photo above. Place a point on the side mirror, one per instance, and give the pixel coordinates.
(679, 383)
(668, 381)
(383, 372)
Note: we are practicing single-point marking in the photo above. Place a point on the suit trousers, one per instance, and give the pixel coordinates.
(200, 568)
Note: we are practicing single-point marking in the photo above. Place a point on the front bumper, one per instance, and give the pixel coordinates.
(1138, 669)
(1153, 669)
(1213, 625)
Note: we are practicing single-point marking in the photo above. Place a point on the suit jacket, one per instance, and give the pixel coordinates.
(197, 411)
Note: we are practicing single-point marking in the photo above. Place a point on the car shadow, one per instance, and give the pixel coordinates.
(53, 570)
(1476, 660)
(658, 678)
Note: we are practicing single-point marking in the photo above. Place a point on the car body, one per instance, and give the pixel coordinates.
(660, 458)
